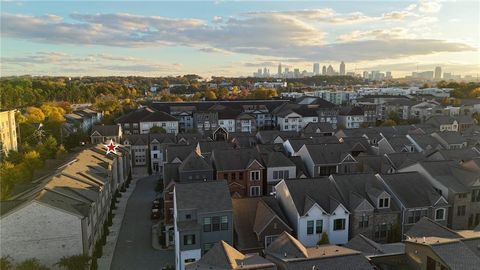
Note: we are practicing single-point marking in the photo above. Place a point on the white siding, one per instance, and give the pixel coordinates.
(42, 232)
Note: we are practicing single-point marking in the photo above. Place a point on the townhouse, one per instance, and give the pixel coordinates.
(443, 123)
(450, 139)
(105, 133)
(258, 222)
(137, 144)
(326, 159)
(141, 120)
(373, 212)
(351, 117)
(63, 213)
(313, 207)
(203, 216)
(278, 167)
(416, 197)
(458, 185)
(242, 168)
(157, 146)
(82, 119)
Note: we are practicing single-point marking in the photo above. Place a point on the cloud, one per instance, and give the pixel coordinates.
(394, 33)
(213, 50)
(429, 6)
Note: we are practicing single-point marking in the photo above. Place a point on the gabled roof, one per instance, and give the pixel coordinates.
(451, 137)
(328, 153)
(251, 216)
(268, 136)
(426, 227)
(439, 120)
(136, 139)
(222, 256)
(355, 110)
(306, 192)
(276, 159)
(412, 189)
(403, 159)
(450, 174)
(234, 159)
(370, 248)
(195, 162)
(464, 154)
(145, 114)
(178, 151)
(207, 196)
(107, 130)
(318, 127)
(285, 244)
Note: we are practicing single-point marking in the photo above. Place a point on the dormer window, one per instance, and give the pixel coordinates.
(384, 203)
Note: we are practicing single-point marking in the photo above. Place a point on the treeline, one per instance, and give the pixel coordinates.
(462, 89)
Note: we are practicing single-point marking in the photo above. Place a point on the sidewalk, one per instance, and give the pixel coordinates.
(108, 250)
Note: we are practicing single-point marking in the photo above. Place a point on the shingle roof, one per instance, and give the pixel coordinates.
(328, 153)
(276, 159)
(426, 227)
(234, 159)
(195, 162)
(145, 114)
(107, 130)
(318, 127)
(456, 255)
(450, 174)
(178, 151)
(412, 189)
(438, 120)
(355, 110)
(322, 191)
(207, 196)
(369, 247)
(452, 137)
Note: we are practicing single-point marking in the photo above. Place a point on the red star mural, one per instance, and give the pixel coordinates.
(111, 147)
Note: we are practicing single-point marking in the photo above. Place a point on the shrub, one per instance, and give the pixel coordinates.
(75, 262)
(31, 264)
(6, 263)
(324, 240)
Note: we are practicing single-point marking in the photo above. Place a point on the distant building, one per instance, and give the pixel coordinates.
(8, 131)
(438, 73)
(316, 69)
(342, 68)
(324, 70)
(279, 72)
(330, 70)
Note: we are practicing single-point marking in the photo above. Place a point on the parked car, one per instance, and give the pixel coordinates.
(155, 214)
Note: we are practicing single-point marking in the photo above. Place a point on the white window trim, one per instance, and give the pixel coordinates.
(444, 213)
(259, 175)
(384, 207)
(259, 191)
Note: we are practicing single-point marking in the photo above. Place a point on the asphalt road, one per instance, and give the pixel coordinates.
(134, 247)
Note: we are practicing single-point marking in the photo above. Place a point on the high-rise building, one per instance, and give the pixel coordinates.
(330, 70)
(324, 70)
(438, 73)
(388, 75)
(342, 68)
(8, 132)
(265, 72)
(279, 72)
(316, 69)
(296, 73)
(365, 74)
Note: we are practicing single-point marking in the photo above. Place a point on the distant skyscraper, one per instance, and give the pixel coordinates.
(342, 68)
(438, 73)
(324, 70)
(365, 74)
(265, 72)
(279, 72)
(388, 75)
(316, 69)
(296, 73)
(330, 70)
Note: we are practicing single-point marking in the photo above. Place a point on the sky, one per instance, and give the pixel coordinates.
(235, 38)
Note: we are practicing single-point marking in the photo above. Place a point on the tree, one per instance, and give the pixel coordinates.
(392, 115)
(324, 239)
(476, 117)
(210, 95)
(157, 130)
(76, 262)
(6, 263)
(364, 125)
(48, 148)
(32, 161)
(35, 115)
(31, 264)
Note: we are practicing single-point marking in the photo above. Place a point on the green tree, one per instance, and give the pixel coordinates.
(324, 239)
(48, 148)
(388, 123)
(31, 264)
(76, 262)
(394, 117)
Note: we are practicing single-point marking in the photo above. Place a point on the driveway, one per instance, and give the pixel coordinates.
(134, 247)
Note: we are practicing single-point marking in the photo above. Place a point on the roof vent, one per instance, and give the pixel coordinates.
(285, 254)
(424, 239)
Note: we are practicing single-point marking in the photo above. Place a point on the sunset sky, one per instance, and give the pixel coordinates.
(236, 38)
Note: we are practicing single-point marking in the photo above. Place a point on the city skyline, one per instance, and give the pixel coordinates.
(234, 38)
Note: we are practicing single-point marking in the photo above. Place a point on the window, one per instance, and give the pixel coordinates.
(476, 195)
(462, 195)
(318, 226)
(224, 223)
(269, 239)
(207, 224)
(240, 175)
(155, 155)
(275, 175)
(327, 170)
(215, 224)
(280, 174)
(363, 223)
(155, 147)
(384, 203)
(461, 210)
(440, 214)
(254, 191)
(255, 175)
(414, 215)
(225, 176)
(234, 176)
(382, 230)
(188, 216)
(189, 260)
(310, 224)
(189, 239)
(339, 224)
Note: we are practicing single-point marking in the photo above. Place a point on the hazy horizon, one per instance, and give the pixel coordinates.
(237, 38)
